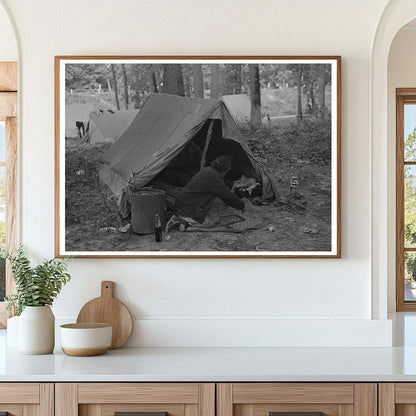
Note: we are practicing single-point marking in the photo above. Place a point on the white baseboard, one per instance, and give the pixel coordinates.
(189, 332)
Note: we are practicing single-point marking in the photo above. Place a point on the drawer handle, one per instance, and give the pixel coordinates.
(139, 414)
(295, 413)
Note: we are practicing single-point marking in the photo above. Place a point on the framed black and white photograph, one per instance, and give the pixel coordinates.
(198, 156)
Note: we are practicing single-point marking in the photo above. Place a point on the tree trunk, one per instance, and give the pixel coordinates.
(198, 81)
(187, 80)
(321, 93)
(108, 85)
(113, 71)
(126, 86)
(173, 80)
(312, 98)
(137, 97)
(237, 68)
(153, 80)
(215, 81)
(255, 114)
(299, 88)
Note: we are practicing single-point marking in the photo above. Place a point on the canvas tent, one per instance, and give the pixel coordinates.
(166, 131)
(239, 106)
(74, 113)
(108, 124)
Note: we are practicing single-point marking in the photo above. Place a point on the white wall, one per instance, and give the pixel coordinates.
(401, 74)
(203, 302)
(8, 46)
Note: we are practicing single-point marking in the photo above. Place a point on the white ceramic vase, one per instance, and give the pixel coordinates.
(37, 330)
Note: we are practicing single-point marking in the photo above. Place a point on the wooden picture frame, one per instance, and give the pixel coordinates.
(127, 127)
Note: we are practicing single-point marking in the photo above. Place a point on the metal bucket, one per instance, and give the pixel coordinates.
(145, 204)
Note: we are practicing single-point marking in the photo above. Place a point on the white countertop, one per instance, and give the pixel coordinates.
(215, 364)
(221, 364)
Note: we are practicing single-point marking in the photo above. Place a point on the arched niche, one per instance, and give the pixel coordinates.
(395, 16)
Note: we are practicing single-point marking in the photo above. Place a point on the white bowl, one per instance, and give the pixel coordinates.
(84, 340)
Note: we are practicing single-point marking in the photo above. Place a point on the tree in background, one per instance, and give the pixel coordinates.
(276, 76)
(410, 146)
(299, 75)
(153, 79)
(173, 80)
(126, 86)
(255, 96)
(81, 76)
(321, 91)
(188, 80)
(237, 76)
(231, 79)
(410, 207)
(113, 71)
(143, 80)
(410, 191)
(315, 79)
(198, 77)
(136, 83)
(303, 87)
(410, 220)
(215, 81)
(309, 77)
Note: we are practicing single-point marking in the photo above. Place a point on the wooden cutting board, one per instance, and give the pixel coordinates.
(108, 310)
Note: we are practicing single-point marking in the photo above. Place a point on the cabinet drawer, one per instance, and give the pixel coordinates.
(147, 399)
(19, 393)
(138, 393)
(21, 399)
(297, 399)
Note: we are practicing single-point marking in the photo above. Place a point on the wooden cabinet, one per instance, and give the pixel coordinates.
(208, 399)
(106, 399)
(27, 399)
(264, 399)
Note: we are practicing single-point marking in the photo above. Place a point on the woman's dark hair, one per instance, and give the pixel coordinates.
(221, 163)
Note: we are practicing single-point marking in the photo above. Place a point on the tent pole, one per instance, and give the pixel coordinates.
(207, 142)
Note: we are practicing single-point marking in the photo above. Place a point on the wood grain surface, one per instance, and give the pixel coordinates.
(84, 352)
(22, 393)
(109, 310)
(252, 393)
(66, 399)
(8, 76)
(8, 105)
(386, 399)
(365, 399)
(110, 393)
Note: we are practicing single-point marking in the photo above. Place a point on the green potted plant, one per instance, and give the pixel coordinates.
(36, 289)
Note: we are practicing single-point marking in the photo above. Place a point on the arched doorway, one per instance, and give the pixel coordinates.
(396, 15)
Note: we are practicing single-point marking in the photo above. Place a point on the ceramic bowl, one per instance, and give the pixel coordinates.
(83, 340)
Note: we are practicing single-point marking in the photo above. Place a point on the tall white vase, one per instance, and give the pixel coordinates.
(37, 330)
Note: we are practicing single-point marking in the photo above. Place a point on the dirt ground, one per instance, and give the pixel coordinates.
(286, 150)
(280, 230)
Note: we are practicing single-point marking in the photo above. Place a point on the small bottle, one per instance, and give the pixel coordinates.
(158, 229)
